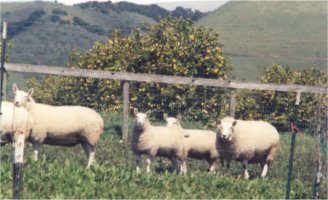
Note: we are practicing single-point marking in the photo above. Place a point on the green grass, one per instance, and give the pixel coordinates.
(257, 34)
(60, 173)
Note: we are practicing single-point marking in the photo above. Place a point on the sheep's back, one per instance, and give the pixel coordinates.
(200, 140)
(257, 135)
(157, 140)
(167, 137)
(60, 121)
(201, 144)
(251, 140)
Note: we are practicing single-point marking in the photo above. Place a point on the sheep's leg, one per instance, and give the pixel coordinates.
(137, 159)
(89, 150)
(227, 167)
(222, 162)
(148, 161)
(36, 149)
(183, 167)
(212, 165)
(246, 174)
(174, 164)
(265, 170)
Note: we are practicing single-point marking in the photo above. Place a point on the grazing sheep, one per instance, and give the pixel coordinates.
(247, 142)
(199, 144)
(156, 141)
(12, 121)
(61, 125)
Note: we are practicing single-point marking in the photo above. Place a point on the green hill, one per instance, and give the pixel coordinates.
(45, 33)
(258, 34)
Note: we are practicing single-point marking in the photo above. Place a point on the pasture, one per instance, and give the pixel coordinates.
(60, 173)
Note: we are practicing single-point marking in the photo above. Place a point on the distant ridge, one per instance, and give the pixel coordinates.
(258, 34)
(45, 33)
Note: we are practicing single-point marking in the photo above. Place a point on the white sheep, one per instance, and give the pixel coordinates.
(13, 120)
(156, 141)
(199, 144)
(247, 142)
(61, 125)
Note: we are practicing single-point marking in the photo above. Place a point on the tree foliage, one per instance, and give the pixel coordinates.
(153, 11)
(172, 47)
(279, 107)
(178, 48)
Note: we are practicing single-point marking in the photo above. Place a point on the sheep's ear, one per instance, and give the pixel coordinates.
(218, 121)
(135, 111)
(179, 117)
(148, 113)
(165, 116)
(234, 123)
(30, 92)
(15, 88)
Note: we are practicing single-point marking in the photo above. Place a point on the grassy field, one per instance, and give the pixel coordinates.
(60, 173)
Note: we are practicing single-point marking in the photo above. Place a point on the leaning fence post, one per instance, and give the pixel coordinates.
(3, 54)
(125, 123)
(18, 154)
(294, 130)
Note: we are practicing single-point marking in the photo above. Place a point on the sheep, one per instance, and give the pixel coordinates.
(156, 141)
(61, 125)
(13, 120)
(199, 144)
(247, 142)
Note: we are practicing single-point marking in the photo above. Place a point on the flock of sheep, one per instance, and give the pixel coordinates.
(238, 140)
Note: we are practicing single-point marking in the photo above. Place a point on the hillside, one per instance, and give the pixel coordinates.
(45, 33)
(258, 34)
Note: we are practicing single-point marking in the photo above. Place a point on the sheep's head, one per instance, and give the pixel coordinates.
(225, 129)
(141, 118)
(22, 97)
(172, 120)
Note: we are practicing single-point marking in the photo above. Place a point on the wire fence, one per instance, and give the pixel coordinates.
(199, 106)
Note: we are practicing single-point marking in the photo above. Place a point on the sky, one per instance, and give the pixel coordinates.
(201, 5)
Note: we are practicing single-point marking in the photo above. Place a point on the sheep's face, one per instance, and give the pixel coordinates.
(170, 121)
(225, 129)
(21, 97)
(141, 118)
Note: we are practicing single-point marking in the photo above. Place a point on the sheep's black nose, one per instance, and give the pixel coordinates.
(16, 103)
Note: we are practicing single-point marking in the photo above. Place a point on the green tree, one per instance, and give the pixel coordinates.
(174, 46)
(278, 107)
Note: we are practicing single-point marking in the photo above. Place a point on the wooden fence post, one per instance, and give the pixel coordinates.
(232, 104)
(126, 102)
(18, 153)
(4, 87)
(3, 57)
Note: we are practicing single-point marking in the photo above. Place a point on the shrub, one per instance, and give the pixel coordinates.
(58, 11)
(172, 47)
(278, 107)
